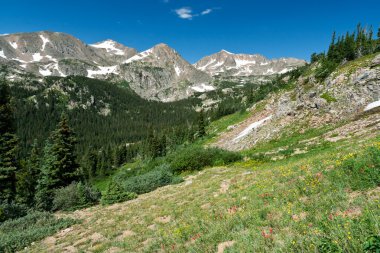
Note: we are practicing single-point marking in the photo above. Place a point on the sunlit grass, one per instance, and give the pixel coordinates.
(292, 205)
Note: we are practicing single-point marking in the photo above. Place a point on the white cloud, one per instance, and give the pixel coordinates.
(185, 13)
(205, 12)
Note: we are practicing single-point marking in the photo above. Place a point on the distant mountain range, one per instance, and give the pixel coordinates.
(229, 64)
(159, 73)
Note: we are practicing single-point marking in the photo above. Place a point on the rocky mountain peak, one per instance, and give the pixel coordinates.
(230, 64)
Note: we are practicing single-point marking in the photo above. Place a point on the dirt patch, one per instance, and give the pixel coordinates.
(353, 212)
(152, 227)
(97, 237)
(222, 246)
(224, 186)
(114, 250)
(125, 234)
(206, 206)
(163, 219)
(70, 249)
(50, 241)
(374, 194)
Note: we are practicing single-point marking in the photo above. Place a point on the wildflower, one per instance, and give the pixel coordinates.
(267, 235)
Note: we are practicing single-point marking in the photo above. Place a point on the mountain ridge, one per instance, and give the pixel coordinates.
(158, 73)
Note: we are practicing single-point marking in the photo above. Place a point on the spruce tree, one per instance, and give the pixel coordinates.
(8, 147)
(201, 125)
(63, 148)
(48, 179)
(58, 167)
(28, 176)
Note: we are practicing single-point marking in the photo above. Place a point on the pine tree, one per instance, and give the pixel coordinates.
(201, 125)
(90, 164)
(8, 147)
(378, 40)
(48, 179)
(28, 176)
(63, 148)
(58, 167)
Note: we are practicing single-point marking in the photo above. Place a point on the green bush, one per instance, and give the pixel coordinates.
(326, 68)
(196, 158)
(19, 233)
(329, 98)
(75, 196)
(12, 211)
(115, 194)
(372, 244)
(147, 182)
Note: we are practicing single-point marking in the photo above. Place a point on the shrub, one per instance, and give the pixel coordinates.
(372, 244)
(115, 194)
(329, 98)
(12, 211)
(75, 196)
(326, 68)
(196, 158)
(147, 182)
(17, 234)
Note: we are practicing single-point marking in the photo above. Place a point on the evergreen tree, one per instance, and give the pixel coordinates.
(48, 179)
(28, 176)
(201, 125)
(8, 146)
(58, 167)
(63, 148)
(90, 164)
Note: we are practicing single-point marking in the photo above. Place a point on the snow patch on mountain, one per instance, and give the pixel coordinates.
(240, 63)
(251, 127)
(51, 58)
(102, 71)
(177, 70)
(202, 87)
(372, 105)
(109, 46)
(2, 55)
(13, 44)
(44, 41)
(139, 56)
(37, 57)
(45, 72)
(285, 70)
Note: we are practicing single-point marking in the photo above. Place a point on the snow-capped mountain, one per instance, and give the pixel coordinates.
(58, 54)
(161, 71)
(158, 73)
(228, 64)
(114, 50)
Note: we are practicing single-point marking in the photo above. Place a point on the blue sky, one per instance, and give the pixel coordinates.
(196, 28)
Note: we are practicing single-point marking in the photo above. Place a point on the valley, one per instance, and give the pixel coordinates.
(106, 149)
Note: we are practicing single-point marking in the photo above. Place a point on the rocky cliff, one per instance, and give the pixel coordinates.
(350, 96)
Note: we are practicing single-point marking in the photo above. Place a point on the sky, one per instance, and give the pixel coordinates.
(196, 28)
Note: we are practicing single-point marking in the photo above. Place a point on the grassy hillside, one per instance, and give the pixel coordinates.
(305, 203)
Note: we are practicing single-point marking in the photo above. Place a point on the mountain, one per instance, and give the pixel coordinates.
(52, 53)
(159, 73)
(229, 64)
